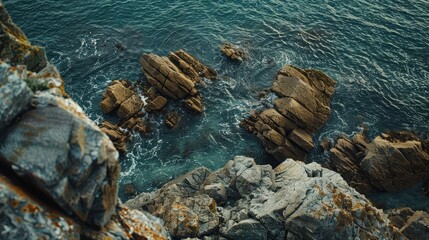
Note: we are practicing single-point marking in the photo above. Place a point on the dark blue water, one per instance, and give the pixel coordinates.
(376, 50)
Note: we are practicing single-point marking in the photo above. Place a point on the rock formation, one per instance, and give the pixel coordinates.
(176, 76)
(413, 225)
(301, 108)
(233, 52)
(15, 47)
(244, 200)
(58, 170)
(123, 98)
(391, 162)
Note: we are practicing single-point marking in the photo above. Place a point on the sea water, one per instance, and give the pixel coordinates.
(377, 51)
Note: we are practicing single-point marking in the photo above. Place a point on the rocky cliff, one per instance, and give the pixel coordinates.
(59, 172)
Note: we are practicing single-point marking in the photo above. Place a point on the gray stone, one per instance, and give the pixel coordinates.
(57, 148)
(14, 94)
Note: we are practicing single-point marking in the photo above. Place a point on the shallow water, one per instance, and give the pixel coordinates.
(376, 50)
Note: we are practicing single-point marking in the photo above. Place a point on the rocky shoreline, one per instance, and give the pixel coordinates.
(59, 170)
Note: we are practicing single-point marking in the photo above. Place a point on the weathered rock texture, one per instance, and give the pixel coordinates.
(233, 52)
(413, 225)
(302, 107)
(50, 147)
(123, 98)
(176, 76)
(21, 217)
(15, 48)
(244, 200)
(391, 162)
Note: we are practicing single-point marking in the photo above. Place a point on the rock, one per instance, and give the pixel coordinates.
(15, 47)
(302, 106)
(394, 165)
(417, 226)
(22, 217)
(194, 103)
(57, 148)
(399, 217)
(116, 135)
(232, 52)
(130, 107)
(136, 123)
(117, 92)
(293, 201)
(176, 76)
(14, 93)
(392, 162)
(247, 229)
(156, 104)
(172, 119)
(129, 224)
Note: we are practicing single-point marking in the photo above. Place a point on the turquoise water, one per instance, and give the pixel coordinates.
(376, 50)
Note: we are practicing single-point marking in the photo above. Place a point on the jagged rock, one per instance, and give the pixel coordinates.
(129, 224)
(57, 148)
(136, 123)
(118, 92)
(116, 135)
(15, 47)
(172, 119)
(232, 52)
(399, 216)
(22, 217)
(391, 162)
(15, 95)
(194, 103)
(301, 108)
(417, 226)
(176, 76)
(293, 201)
(156, 104)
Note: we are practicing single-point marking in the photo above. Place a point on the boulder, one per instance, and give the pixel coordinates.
(23, 217)
(417, 226)
(233, 52)
(117, 136)
(293, 201)
(64, 154)
(392, 162)
(176, 76)
(156, 104)
(15, 47)
(15, 95)
(117, 93)
(301, 107)
(172, 119)
(399, 216)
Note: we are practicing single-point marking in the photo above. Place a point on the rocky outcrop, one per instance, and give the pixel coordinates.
(58, 170)
(301, 107)
(22, 217)
(123, 98)
(244, 200)
(413, 225)
(391, 162)
(176, 76)
(233, 52)
(15, 48)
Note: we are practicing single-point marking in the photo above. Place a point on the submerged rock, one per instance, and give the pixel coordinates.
(117, 136)
(302, 107)
(176, 76)
(246, 200)
(391, 162)
(233, 52)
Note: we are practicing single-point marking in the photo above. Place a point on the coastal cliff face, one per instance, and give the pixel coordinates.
(59, 172)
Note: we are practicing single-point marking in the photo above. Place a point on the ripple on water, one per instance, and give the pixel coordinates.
(377, 52)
